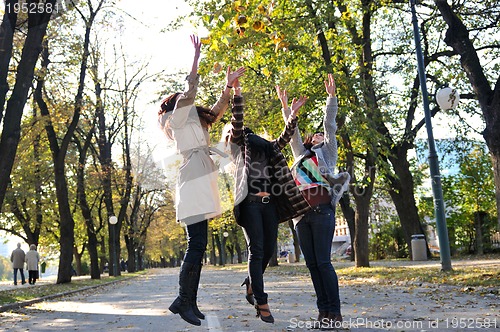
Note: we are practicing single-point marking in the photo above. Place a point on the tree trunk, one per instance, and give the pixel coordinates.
(360, 245)
(457, 37)
(401, 190)
(479, 217)
(296, 246)
(106, 167)
(129, 242)
(219, 247)
(213, 257)
(6, 45)
(350, 216)
(237, 246)
(37, 27)
(38, 184)
(95, 272)
(67, 224)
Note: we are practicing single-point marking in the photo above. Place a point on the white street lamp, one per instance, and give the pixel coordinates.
(447, 98)
(112, 221)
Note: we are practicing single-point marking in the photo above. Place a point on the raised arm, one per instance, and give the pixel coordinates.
(236, 132)
(331, 108)
(295, 141)
(329, 123)
(222, 103)
(187, 98)
(290, 123)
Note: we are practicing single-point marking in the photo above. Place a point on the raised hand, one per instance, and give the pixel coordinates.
(197, 46)
(283, 96)
(296, 105)
(330, 86)
(232, 76)
(197, 51)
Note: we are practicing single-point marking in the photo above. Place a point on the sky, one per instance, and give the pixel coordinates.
(169, 51)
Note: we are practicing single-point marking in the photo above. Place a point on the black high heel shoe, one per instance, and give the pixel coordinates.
(267, 319)
(249, 295)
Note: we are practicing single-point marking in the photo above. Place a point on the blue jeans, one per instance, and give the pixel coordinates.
(21, 271)
(260, 226)
(197, 237)
(315, 232)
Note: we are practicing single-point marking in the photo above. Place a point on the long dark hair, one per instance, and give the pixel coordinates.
(168, 104)
(206, 115)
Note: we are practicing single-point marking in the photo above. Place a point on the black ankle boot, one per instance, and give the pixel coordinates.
(196, 284)
(182, 304)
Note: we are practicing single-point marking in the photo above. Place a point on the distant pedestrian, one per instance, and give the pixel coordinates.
(17, 259)
(32, 259)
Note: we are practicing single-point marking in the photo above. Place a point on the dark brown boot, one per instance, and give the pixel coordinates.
(333, 320)
(317, 323)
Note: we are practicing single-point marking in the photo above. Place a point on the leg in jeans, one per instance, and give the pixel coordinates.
(322, 228)
(252, 223)
(197, 236)
(306, 242)
(15, 276)
(270, 231)
(23, 280)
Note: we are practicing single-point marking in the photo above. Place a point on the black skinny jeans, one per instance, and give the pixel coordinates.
(197, 236)
(260, 226)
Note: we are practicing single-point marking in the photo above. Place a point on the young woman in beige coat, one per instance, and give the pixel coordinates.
(197, 195)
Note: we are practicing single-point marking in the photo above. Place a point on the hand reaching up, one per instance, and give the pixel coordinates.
(330, 86)
(282, 96)
(232, 76)
(197, 51)
(197, 46)
(296, 105)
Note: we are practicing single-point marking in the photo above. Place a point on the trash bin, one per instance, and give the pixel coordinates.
(418, 247)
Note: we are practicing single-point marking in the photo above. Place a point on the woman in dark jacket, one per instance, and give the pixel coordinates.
(265, 195)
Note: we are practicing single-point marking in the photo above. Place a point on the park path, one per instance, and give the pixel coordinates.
(140, 304)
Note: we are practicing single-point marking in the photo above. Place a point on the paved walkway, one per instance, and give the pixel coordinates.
(140, 304)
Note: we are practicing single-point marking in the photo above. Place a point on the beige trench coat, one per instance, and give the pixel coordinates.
(197, 194)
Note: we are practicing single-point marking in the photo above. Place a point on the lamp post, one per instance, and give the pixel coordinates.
(112, 222)
(444, 246)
